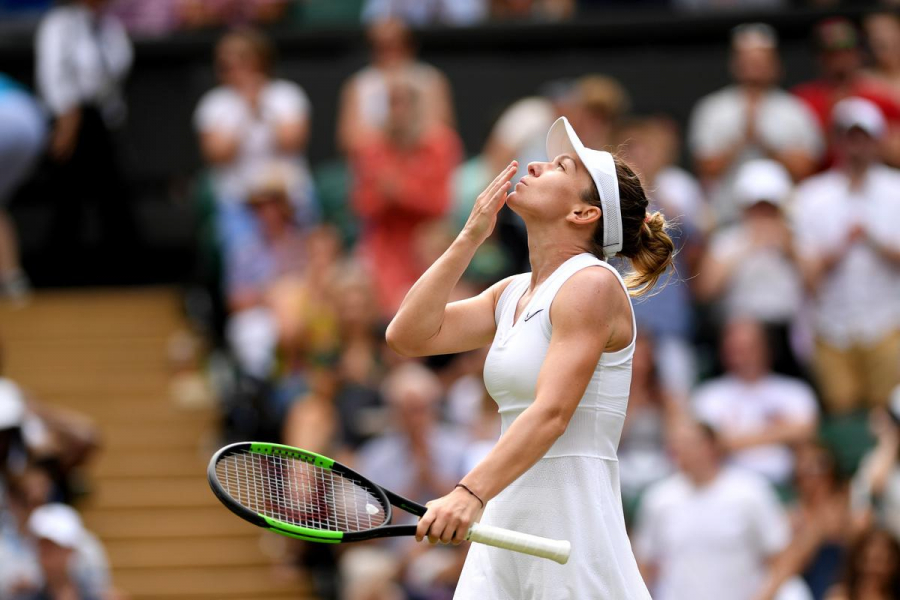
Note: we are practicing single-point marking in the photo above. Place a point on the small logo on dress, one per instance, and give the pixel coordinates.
(532, 314)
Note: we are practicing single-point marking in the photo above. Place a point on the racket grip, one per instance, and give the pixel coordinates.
(557, 550)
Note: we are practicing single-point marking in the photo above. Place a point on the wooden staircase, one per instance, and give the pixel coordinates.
(103, 353)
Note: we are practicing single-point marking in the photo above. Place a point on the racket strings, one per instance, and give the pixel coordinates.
(299, 493)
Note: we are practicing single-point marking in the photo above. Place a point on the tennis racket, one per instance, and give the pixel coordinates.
(307, 496)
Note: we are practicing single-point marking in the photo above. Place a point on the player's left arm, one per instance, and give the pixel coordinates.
(589, 311)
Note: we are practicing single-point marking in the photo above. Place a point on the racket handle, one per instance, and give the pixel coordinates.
(557, 550)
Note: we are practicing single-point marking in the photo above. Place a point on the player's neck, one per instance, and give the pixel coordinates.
(546, 255)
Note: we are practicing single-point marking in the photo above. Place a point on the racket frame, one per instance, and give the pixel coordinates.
(387, 498)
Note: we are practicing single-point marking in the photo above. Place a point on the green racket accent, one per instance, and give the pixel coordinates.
(304, 455)
(303, 533)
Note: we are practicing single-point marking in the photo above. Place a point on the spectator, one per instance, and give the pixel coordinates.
(435, 454)
(402, 182)
(708, 531)
(413, 393)
(261, 275)
(750, 269)
(883, 34)
(750, 119)
(365, 98)
(427, 12)
(821, 523)
(13, 451)
(82, 58)
(875, 489)
(840, 63)
(651, 411)
(650, 145)
(757, 414)
(250, 121)
(22, 137)
(845, 224)
(45, 551)
(873, 569)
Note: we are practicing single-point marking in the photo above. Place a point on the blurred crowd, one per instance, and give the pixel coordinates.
(162, 17)
(761, 452)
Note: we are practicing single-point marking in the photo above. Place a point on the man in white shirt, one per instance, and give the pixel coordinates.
(846, 226)
(709, 532)
(82, 56)
(751, 119)
(246, 124)
(757, 414)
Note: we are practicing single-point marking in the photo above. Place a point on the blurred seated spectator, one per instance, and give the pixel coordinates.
(845, 223)
(23, 132)
(873, 569)
(821, 524)
(875, 489)
(433, 450)
(259, 272)
(643, 459)
(401, 183)
(750, 269)
(840, 63)
(883, 36)
(709, 531)
(750, 119)
(60, 440)
(45, 551)
(343, 408)
(427, 12)
(364, 109)
(435, 456)
(82, 56)
(250, 121)
(757, 414)
(650, 146)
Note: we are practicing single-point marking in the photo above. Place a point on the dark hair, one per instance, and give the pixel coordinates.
(256, 41)
(853, 575)
(644, 237)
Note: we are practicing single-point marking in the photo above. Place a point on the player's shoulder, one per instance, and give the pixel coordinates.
(590, 292)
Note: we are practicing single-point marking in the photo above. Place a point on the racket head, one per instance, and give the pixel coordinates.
(297, 493)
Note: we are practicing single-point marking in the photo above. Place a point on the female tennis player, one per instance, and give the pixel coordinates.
(559, 368)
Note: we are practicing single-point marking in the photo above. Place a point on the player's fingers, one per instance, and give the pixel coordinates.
(447, 535)
(436, 531)
(502, 174)
(460, 535)
(502, 177)
(423, 526)
(500, 195)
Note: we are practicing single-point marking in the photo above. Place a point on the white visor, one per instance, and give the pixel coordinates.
(562, 139)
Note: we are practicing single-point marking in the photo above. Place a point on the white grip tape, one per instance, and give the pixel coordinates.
(557, 550)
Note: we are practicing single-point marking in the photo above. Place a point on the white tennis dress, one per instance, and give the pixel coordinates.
(573, 492)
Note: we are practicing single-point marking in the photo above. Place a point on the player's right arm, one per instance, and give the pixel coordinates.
(426, 323)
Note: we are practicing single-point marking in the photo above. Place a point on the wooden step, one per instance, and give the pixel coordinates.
(206, 582)
(152, 492)
(197, 551)
(135, 437)
(168, 522)
(150, 462)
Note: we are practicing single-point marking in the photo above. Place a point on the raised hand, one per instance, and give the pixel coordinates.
(483, 217)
